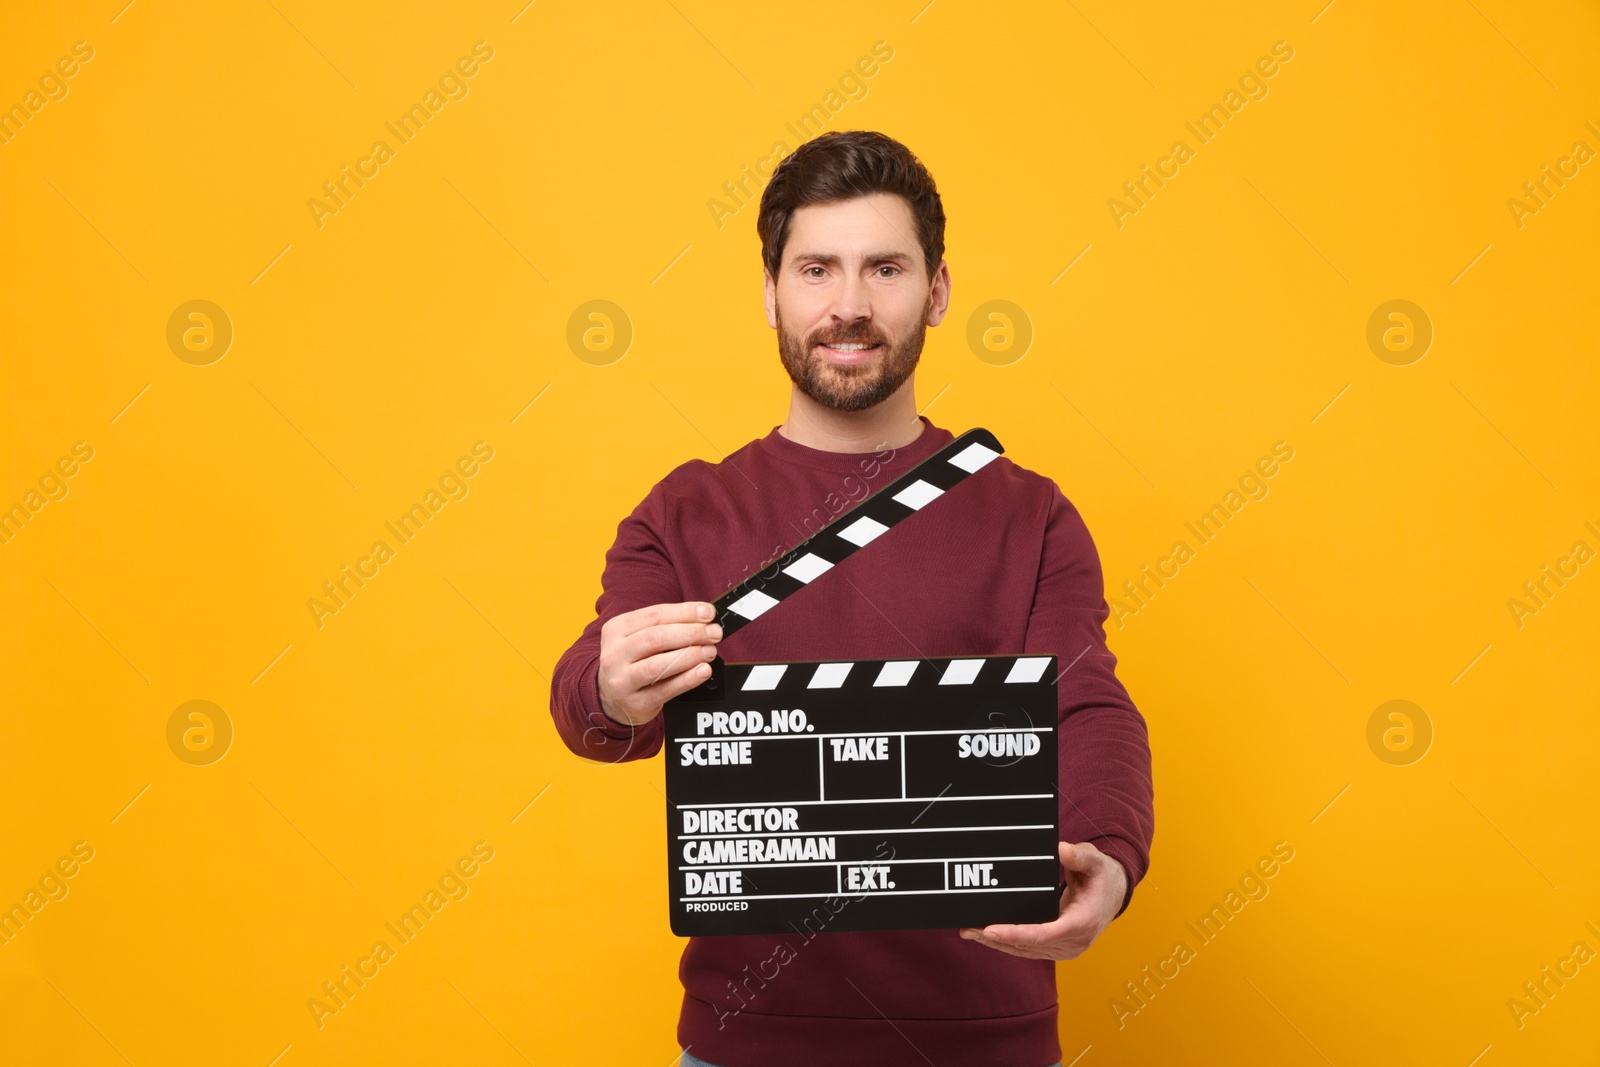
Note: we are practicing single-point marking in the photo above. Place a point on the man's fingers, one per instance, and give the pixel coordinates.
(1067, 942)
(667, 637)
(647, 672)
(673, 684)
(1090, 878)
(630, 622)
(1027, 935)
(643, 703)
(1064, 946)
(1080, 857)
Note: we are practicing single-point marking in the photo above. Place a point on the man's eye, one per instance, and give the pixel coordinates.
(888, 267)
(810, 269)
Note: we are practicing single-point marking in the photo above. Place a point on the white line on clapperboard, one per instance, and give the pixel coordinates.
(822, 773)
(883, 893)
(871, 800)
(866, 733)
(876, 830)
(854, 863)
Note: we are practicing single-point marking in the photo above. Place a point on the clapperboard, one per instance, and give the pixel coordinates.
(910, 794)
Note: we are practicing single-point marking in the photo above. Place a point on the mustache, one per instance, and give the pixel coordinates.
(857, 337)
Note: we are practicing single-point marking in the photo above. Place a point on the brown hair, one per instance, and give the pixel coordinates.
(842, 165)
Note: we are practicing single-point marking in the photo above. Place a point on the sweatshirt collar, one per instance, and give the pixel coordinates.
(929, 441)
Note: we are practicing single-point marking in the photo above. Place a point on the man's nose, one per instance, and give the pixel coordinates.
(853, 300)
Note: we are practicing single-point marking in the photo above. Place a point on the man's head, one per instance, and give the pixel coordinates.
(852, 238)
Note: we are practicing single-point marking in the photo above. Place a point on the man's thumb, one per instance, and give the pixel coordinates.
(1079, 857)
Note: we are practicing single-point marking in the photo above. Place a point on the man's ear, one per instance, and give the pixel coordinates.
(770, 287)
(939, 294)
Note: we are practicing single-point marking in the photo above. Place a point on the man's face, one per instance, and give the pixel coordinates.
(852, 300)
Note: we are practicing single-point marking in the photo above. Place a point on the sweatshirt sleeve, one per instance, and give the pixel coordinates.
(1106, 790)
(638, 572)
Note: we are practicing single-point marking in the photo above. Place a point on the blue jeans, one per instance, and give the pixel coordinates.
(688, 1060)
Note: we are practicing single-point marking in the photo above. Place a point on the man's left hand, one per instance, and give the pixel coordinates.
(1096, 884)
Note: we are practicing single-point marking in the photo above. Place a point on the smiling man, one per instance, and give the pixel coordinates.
(852, 239)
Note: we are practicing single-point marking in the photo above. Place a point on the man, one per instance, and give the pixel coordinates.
(852, 232)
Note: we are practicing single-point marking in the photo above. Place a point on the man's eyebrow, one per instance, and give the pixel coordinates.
(872, 257)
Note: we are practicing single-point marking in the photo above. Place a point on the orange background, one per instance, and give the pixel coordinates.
(371, 753)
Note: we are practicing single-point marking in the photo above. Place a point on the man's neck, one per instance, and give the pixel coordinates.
(891, 424)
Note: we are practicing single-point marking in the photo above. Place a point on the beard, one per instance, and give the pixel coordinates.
(856, 386)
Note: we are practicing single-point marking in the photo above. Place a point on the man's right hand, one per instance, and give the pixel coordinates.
(650, 655)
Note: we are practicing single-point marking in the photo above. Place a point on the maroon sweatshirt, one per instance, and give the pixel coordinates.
(1001, 564)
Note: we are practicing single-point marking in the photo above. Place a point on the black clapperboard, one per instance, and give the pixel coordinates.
(920, 793)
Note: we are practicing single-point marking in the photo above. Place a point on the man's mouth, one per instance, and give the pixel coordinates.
(850, 351)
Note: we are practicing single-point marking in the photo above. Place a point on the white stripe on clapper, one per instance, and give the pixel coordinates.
(829, 675)
(917, 494)
(807, 567)
(896, 672)
(974, 457)
(961, 672)
(765, 676)
(1028, 669)
(863, 530)
(753, 604)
